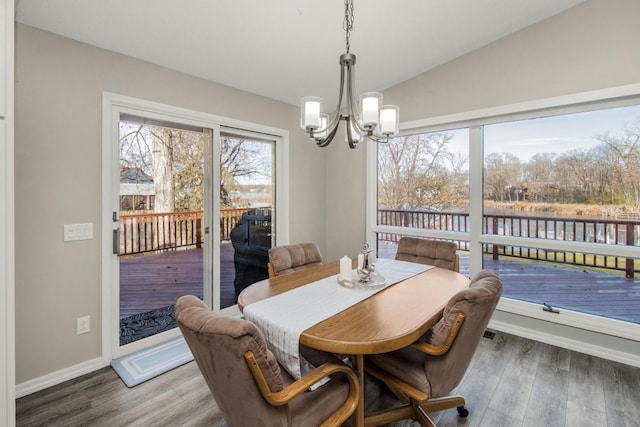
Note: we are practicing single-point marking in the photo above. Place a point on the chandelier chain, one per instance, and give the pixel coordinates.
(347, 26)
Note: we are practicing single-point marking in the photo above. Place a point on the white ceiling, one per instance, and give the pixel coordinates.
(286, 49)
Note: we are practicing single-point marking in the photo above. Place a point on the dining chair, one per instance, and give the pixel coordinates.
(289, 258)
(439, 253)
(423, 374)
(249, 385)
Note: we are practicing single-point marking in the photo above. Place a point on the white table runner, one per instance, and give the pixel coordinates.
(282, 318)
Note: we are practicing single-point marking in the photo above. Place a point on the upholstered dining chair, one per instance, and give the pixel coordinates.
(423, 374)
(247, 382)
(427, 251)
(289, 258)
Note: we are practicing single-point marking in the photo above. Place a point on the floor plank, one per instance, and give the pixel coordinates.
(622, 394)
(514, 389)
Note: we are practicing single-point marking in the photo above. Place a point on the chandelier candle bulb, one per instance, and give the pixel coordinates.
(355, 135)
(324, 121)
(311, 109)
(389, 120)
(370, 104)
(345, 268)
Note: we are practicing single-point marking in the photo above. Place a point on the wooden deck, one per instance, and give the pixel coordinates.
(153, 281)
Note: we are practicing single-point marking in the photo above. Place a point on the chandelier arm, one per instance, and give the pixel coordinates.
(352, 143)
(326, 141)
(353, 106)
(378, 138)
(343, 66)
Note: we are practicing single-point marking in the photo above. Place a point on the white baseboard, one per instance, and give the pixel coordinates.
(570, 344)
(55, 378)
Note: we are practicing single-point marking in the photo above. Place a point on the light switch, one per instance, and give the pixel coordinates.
(74, 232)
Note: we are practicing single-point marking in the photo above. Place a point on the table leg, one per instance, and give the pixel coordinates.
(358, 416)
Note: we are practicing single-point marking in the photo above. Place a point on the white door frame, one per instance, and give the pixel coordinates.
(7, 217)
(112, 106)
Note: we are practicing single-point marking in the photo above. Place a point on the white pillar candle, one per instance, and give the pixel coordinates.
(345, 268)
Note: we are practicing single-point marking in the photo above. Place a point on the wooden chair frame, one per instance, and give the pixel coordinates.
(285, 395)
(417, 403)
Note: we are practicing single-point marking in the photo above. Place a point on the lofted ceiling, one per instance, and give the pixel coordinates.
(286, 49)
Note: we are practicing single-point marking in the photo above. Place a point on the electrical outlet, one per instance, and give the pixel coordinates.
(83, 325)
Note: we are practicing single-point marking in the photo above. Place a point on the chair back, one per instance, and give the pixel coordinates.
(477, 303)
(289, 258)
(439, 253)
(218, 344)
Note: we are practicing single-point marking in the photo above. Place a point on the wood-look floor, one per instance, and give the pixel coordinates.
(511, 381)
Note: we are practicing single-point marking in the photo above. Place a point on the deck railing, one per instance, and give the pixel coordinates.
(607, 231)
(156, 232)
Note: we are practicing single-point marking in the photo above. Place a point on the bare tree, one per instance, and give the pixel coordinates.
(626, 158)
(413, 173)
(162, 157)
(503, 177)
(539, 178)
(243, 159)
(174, 160)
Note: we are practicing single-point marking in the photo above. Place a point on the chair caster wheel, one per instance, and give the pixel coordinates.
(462, 411)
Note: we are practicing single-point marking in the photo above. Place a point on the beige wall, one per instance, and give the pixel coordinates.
(59, 85)
(592, 46)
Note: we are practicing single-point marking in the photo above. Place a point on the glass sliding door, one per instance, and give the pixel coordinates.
(176, 184)
(247, 214)
(161, 217)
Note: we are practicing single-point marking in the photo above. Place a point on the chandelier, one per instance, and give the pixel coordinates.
(367, 118)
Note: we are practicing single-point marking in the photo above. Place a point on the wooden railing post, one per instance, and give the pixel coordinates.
(198, 233)
(495, 231)
(629, 270)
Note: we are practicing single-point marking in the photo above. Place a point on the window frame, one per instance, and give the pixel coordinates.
(475, 120)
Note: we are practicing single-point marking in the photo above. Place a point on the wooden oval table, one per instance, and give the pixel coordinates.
(388, 320)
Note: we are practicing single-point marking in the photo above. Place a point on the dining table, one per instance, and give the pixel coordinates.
(387, 320)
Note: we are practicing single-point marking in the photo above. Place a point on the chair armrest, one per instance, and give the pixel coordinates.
(271, 270)
(298, 387)
(439, 350)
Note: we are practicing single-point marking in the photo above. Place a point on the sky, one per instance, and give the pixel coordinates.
(555, 134)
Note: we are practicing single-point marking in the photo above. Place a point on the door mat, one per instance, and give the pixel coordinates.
(142, 365)
(145, 324)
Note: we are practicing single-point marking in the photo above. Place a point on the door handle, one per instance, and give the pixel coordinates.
(116, 241)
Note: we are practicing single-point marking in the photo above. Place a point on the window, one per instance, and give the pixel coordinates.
(547, 194)
(572, 179)
(423, 185)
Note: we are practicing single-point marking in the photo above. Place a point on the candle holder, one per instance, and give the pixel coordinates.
(365, 266)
